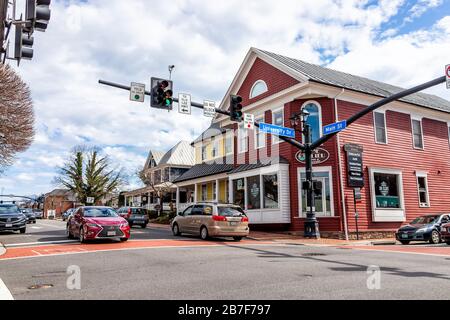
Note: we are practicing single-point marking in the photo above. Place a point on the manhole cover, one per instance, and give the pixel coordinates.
(313, 254)
(40, 286)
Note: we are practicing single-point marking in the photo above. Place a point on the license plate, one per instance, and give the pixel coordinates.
(111, 233)
(234, 223)
(8, 225)
(404, 236)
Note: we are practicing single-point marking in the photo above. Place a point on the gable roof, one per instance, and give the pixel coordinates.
(340, 79)
(181, 154)
(156, 155)
(213, 131)
(204, 170)
(304, 71)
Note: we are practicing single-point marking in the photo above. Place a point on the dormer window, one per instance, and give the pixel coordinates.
(259, 87)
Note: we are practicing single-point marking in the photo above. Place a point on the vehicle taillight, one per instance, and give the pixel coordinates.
(129, 213)
(219, 218)
(244, 219)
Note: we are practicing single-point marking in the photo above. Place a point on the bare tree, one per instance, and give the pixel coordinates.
(160, 190)
(16, 116)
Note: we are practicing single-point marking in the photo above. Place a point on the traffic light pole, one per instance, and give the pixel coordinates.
(311, 224)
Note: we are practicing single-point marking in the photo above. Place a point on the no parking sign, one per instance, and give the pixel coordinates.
(447, 74)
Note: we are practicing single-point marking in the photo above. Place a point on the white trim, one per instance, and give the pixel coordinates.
(251, 96)
(421, 133)
(327, 169)
(260, 118)
(422, 174)
(383, 112)
(387, 215)
(240, 131)
(319, 107)
(275, 139)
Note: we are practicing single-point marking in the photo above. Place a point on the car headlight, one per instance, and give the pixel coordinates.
(92, 225)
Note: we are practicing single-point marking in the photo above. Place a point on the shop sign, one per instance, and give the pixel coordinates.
(319, 156)
(355, 168)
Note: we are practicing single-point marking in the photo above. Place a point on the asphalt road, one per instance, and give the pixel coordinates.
(226, 270)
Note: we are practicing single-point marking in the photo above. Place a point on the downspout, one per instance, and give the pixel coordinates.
(341, 180)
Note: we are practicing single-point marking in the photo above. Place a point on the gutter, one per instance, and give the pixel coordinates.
(341, 179)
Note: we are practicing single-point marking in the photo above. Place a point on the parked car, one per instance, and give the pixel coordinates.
(89, 223)
(134, 216)
(423, 228)
(445, 233)
(12, 219)
(39, 214)
(67, 214)
(212, 220)
(31, 217)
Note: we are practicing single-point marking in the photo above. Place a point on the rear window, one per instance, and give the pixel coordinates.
(8, 210)
(230, 212)
(139, 211)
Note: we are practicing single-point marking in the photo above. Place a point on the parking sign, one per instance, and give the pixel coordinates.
(447, 74)
(249, 121)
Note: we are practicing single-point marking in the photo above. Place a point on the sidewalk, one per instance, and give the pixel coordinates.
(288, 238)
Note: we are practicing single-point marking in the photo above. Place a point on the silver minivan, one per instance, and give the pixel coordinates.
(212, 220)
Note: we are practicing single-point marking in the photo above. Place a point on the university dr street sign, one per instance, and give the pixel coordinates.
(277, 130)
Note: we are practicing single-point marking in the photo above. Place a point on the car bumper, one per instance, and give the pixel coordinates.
(137, 221)
(401, 236)
(14, 227)
(104, 233)
(223, 232)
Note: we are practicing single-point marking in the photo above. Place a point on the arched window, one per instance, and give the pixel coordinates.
(314, 119)
(259, 87)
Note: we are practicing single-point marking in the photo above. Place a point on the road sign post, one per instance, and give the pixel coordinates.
(249, 121)
(184, 103)
(137, 92)
(335, 127)
(277, 130)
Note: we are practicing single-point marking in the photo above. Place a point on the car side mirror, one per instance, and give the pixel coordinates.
(180, 213)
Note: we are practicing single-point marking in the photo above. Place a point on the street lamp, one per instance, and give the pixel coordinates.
(311, 224)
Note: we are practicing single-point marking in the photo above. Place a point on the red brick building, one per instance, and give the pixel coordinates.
(57, 202)
(405, 150)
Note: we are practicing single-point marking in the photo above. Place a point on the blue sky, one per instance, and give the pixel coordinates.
(396, 41)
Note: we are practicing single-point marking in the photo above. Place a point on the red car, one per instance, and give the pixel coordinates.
(445, 233)
(89, 223)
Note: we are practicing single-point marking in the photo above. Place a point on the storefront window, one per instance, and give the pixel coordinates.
(253, 193)
(387, 191)
(270, 184)
(239, 192)
(322, 204)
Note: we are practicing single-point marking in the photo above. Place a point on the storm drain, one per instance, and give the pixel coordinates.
(313, 254)
(40, 286)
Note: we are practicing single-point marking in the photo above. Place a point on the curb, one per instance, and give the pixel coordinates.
(2, 249)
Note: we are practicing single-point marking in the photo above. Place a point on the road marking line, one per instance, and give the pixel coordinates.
(26, 244)
(5, 294)
(404, 252)
(51, 226)
(37, 227)
(37, 253)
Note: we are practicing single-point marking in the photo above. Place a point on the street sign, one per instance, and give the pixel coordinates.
(209, 109)
(90, 200)
(334, 127)
(249, 121)
(447, 74)
(137, 92)
(319, 156)
(184, 103)
(277, 130)
(355, 168)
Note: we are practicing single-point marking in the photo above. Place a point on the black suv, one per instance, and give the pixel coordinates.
(11, 219)
(134, 216)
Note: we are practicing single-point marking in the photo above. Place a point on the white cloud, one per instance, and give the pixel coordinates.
(421, 7)
(125, 41)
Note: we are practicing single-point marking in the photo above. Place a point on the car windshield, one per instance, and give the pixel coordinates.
(99, 213)
(425, 220)
(139, 211)
(230, 212)
(4, 210)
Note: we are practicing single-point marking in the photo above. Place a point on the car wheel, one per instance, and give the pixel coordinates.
(144, 226)
(23, 230)
(204, 233)
(237, 238)
(82, 237)
(123, 239)
(435, 237)
(34, 221)
(176, 230)
(404, 242)
(448, 242)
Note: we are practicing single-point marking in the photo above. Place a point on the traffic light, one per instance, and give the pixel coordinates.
(23, 44)
(236, 108)
(161, 94)
(38, 13)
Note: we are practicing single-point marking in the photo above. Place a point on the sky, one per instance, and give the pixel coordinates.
(400, 42)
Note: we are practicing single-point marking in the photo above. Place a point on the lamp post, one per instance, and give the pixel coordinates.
(311, 224)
